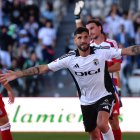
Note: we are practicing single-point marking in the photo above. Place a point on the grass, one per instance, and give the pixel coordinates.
(131, 136)
(65, 136)
(50, 136)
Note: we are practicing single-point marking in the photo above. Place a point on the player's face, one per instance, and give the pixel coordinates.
(94, 30)
(82, 41)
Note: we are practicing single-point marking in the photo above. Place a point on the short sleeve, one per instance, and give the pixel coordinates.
(113, 53)
(58, 64)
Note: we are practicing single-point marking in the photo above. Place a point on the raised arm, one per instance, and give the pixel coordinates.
(132, 50)
(12, 75)
(77, 11)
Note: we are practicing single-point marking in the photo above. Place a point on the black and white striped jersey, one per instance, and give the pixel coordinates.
(89, 73)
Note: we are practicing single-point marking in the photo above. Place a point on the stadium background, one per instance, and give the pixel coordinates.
(21, 38)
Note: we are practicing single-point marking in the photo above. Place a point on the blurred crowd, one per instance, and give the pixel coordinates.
(28, 34)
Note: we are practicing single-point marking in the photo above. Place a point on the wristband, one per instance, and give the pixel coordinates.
(77, 17)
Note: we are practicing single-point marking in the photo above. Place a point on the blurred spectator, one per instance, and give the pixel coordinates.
(6, 40)
(70, 43)
(6, 43)
(17, 85)
(137, 41)
(23, 51)
(60, 10)
(126, 70)
(129, 27)
(16, 12)
(115, 9)
(23, 37)
(13, 31)
(137, 36)
(114, 21)
(34, 82)
(136, 21)
(48, 12)
(5, 59)
(47, 38)
(6, 7)
(1, 13)
(123, 37)
(32, 28)
(31, 9)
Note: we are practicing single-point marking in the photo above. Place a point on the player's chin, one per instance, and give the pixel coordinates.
(84, 48)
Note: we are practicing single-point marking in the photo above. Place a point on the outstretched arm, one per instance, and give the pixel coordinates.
(132, 50)
(77, 11)
(37, 70)
(12, 75)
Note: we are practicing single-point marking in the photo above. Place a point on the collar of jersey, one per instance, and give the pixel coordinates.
(91, 51)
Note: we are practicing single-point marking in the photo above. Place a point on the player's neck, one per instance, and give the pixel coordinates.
(99, 39)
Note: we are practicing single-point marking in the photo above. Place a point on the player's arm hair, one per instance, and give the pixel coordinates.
(132, 50)
(37, 70)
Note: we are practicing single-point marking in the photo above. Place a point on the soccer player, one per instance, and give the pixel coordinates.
(88, 68)
(4, 121)
(98, 39)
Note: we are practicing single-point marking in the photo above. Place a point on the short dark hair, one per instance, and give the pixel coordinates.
(81, 30)
(97, 22)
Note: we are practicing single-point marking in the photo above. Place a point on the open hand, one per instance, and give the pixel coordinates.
(8, 76)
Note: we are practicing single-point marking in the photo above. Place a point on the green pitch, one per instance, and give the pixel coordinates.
(65, 136)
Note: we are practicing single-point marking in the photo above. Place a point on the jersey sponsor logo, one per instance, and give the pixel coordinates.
(86, 73)
(96, 61)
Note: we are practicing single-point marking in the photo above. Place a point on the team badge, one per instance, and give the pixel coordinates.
(96, 61)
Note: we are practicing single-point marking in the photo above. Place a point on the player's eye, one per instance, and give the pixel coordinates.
(79, 37)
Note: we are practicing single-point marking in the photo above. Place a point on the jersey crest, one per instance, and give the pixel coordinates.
(96, 61)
